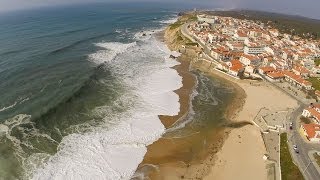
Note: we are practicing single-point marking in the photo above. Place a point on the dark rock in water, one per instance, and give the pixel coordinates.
(144, 34)
(172, 57)
(181, 13)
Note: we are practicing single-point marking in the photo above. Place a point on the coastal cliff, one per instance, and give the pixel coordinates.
(173, 36)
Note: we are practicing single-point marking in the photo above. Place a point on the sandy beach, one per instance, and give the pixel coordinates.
(236, 149)
(173, 158)
(176, 158)
(243, 150)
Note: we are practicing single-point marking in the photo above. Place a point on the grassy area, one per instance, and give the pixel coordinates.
(193, 18)
(317, 62)
(179, 38)
(192, 44)
(315, 82)
(183, 19)
(175, 25)
(317, 157)
(289, 171)
(305, 120)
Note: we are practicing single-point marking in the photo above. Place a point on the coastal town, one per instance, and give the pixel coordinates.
(247, 49)
(256, 51)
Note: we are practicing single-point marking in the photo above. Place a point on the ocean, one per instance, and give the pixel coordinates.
(81, 90)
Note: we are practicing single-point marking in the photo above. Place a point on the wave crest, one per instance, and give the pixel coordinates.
(109, 52)
(115, 152)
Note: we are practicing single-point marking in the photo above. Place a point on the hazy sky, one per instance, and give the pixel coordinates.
(309, 8)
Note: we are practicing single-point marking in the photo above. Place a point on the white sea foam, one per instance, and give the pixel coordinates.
(8, 107)
(19, 101)
(146, 34)
(115, 152)
(169, 21)
(110, 51)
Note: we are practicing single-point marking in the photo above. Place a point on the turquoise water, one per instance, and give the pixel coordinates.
(52, 75)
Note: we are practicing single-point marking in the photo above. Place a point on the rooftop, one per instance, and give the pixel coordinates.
(311, 130)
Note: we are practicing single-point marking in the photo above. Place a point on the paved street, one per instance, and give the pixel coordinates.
(302, 159)
(186, 33)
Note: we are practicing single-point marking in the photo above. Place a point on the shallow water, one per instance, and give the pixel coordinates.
(197, 136)
(209, 102)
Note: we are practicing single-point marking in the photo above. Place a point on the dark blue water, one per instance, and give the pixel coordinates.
(43, 54)
(48, 82)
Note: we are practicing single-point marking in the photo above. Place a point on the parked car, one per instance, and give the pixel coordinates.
(291, 126)
(295, 148)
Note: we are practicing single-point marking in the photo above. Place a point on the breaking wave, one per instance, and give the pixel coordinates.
(109, 52)
(114, 150)
(19, 101)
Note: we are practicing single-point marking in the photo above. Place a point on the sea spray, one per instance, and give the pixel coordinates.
(115, 152)
(63, 70)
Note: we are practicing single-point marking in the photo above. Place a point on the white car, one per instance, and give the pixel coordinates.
(295, 148)
(291, 125)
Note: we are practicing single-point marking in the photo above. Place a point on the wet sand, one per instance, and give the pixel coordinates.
(188, 81)
(186, 157)
(190, 157)
(242, 152)
(223, 152)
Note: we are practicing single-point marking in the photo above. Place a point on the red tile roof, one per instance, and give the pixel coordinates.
(316, 105)
(314, 113)
(235, 62)
(275, 75)
(241, 34)
(297, 78)
(267, 69)
(250, 57)
(301, 69)
(311, 130)
(236, 67)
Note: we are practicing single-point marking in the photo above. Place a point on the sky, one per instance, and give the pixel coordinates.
(308, 8)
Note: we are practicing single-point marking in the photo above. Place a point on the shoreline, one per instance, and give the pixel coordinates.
(221, 158)
(246, 140)
(154, 154)
(174, 162)
(184, 92)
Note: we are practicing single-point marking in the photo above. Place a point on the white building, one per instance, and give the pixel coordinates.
(210, 37)
(235, 46)
(240, 36)
(269, 50)
(205, 18)
(274, 32)
(312, 132)
(249, 59)
(254, 49)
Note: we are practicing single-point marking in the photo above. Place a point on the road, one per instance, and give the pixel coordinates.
(301, 159)
(186, 33)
